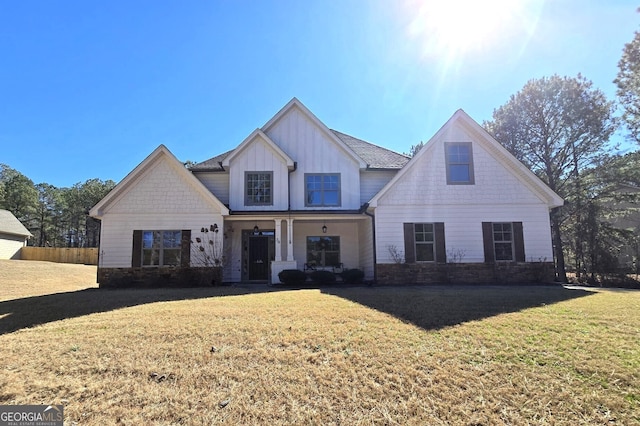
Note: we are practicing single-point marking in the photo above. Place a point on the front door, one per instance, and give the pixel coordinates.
(258, 258)
(257, 255)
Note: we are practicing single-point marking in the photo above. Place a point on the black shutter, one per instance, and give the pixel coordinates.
(487, 238)
(136, 253)
(409, 243)
(185, 255)
(441, 251)
(518, 241)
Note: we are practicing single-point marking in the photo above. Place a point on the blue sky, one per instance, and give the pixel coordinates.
(89, 89)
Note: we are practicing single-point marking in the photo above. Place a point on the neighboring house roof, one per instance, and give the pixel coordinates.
(488, 142)
(122, 187)
(9, 224)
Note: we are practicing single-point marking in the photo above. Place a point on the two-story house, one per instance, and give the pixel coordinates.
(296, 194)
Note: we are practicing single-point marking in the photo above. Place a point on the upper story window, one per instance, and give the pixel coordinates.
(322, 189)
(459, 157)
(258, 189)
(161, 248)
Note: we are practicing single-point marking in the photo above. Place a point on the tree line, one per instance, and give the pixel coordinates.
(57, 217)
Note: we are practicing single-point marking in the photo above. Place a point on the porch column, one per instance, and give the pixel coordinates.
(290, 239)
(278, 240)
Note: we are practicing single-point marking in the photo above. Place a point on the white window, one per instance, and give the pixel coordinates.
(503, 241)
(424, 235)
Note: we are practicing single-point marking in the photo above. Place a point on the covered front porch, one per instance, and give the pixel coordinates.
(257, 247)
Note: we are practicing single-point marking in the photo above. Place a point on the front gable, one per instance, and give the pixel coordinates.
(159, 185)
(317, 151)
(258, 154)
(497, 177)
(300, 133)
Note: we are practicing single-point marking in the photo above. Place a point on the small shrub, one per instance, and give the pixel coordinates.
(323, 277)
(292, 276)
(352, 276)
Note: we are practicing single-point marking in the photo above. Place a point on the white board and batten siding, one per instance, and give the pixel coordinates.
(258, 157)
(315, 151)
(160, 200)
(497, 195)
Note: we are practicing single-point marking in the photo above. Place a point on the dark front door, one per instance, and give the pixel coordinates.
(258, 258)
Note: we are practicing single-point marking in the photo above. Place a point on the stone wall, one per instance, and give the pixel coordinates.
(159, 277)
(464, 273)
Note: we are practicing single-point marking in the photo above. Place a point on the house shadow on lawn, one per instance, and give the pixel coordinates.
(434, 307)
(429, 307)
(27, 312)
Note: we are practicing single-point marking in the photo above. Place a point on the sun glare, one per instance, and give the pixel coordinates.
(453, 28)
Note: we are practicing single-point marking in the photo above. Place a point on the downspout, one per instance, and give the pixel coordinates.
(295, 167)
(364, 208)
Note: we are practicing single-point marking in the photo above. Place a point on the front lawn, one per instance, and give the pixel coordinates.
(413, 355)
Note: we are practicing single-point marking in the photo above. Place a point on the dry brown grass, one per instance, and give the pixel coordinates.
(469, 356)
(24, 278)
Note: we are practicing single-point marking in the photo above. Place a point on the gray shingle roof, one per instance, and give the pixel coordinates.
(375, 156)
(10, 225)
(212, 164)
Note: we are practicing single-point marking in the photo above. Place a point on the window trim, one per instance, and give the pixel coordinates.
(322, 190)
(448, 163)
(247, 201)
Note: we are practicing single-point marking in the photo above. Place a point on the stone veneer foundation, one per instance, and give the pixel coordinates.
(464, 273)
(159, 277)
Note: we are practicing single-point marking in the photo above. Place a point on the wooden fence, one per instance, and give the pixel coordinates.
(87, 256)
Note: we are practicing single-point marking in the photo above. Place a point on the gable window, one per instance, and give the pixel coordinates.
(503, 241)
(459, 158)
(424, 242)
(258, 189)
(323, 251)
(322, 190)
